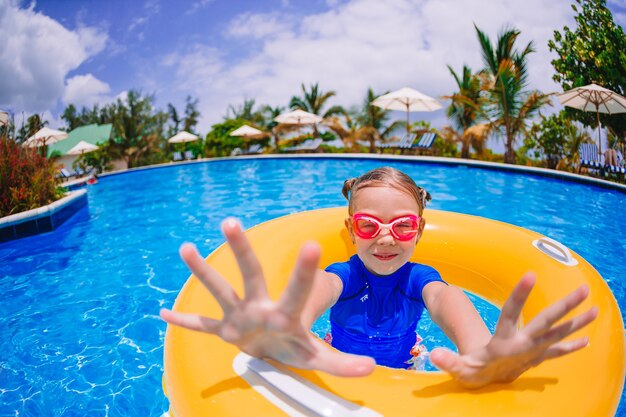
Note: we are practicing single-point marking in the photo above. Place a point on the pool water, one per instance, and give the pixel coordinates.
(79, 312)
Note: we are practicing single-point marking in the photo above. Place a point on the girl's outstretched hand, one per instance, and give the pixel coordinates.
(512, 351)
(256, 324)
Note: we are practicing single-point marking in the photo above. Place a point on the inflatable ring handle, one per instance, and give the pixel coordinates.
(315, 400)
(556, 250)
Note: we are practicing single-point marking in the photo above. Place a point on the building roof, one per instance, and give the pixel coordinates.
(94, 134)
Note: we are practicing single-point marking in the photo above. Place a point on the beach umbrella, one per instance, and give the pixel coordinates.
(594, 98)
(183, 137)
(298, 117)
(45, 136)
(4, 118)
(246, 132)
(81, 148)
(407, 99)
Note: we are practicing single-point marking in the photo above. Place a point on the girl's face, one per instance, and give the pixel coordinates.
(384, 254)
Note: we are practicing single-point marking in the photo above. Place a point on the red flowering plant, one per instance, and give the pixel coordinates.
(27, 179)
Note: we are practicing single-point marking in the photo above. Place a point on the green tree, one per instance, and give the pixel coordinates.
(314, 101)
(219, 142)
(511, 106)
(174, 127)
(33, 123)
(269, 114)
(595, 51)
(555, 139)
(73, 118)
(245, 112)
(466, 110)
(192, 115)
(138, 129)
(363, 124)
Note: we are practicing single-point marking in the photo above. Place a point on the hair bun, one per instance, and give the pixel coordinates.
(347, 187)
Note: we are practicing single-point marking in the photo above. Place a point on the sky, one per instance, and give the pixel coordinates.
(222, 52)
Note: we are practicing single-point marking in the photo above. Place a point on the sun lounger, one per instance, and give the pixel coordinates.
(310, 145)
(589, 156)
(426, 141)
(177, 156)
(64, 173)
(406, 142)
(252, 150)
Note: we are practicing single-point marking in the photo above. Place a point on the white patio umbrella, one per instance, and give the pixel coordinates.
(45, 136)
(298, 117)
(4, 118)
(81, 148)
(592, 97)
(246, 131)
(407, 99)
(183, 137)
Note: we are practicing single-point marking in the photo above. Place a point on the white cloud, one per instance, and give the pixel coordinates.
(198, 5)
(258, 26)
(86, 90)
(36, 56)
(363, 43)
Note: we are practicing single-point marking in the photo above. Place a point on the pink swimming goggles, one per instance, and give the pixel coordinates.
(402, 228)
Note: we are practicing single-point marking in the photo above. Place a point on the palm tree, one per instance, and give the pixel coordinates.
(366, 125)
(510, 105)
(269, 123)
(245, 112)
(314, 101)
(466, 110)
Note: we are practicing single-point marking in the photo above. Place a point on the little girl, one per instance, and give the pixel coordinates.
(376, 299)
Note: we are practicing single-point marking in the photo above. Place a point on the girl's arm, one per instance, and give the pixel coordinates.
(462, 323)
(261, 327)
(324, 293)
(511, 351)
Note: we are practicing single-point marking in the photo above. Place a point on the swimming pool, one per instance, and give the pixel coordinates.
(80, 326)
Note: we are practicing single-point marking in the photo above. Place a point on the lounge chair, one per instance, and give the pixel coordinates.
(404, 143)
(64, 173)
(177, 156)
(589, 156)
(426, 142)
(189, 155)
(310, 145)
(252, 150)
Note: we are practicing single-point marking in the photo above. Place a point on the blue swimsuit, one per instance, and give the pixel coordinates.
(377, 315)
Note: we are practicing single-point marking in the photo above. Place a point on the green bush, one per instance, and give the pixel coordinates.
(27, 179)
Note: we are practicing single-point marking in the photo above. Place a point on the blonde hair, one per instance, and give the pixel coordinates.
(385, 177)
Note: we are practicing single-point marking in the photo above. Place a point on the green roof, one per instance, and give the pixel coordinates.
(94, 134)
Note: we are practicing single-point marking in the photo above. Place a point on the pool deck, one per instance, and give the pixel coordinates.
(436, 160)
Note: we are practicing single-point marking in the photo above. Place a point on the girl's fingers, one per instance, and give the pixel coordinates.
(507, 323)
(563, 330)
(342, 364)
(447, 361)
(221, 290)
(563, 348)
(191, 321)
(544, 320)
(249, 265)
(297, 292)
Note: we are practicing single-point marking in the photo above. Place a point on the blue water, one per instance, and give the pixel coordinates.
(79, 306)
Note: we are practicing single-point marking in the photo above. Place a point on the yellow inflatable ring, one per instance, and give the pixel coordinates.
(482, 256)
